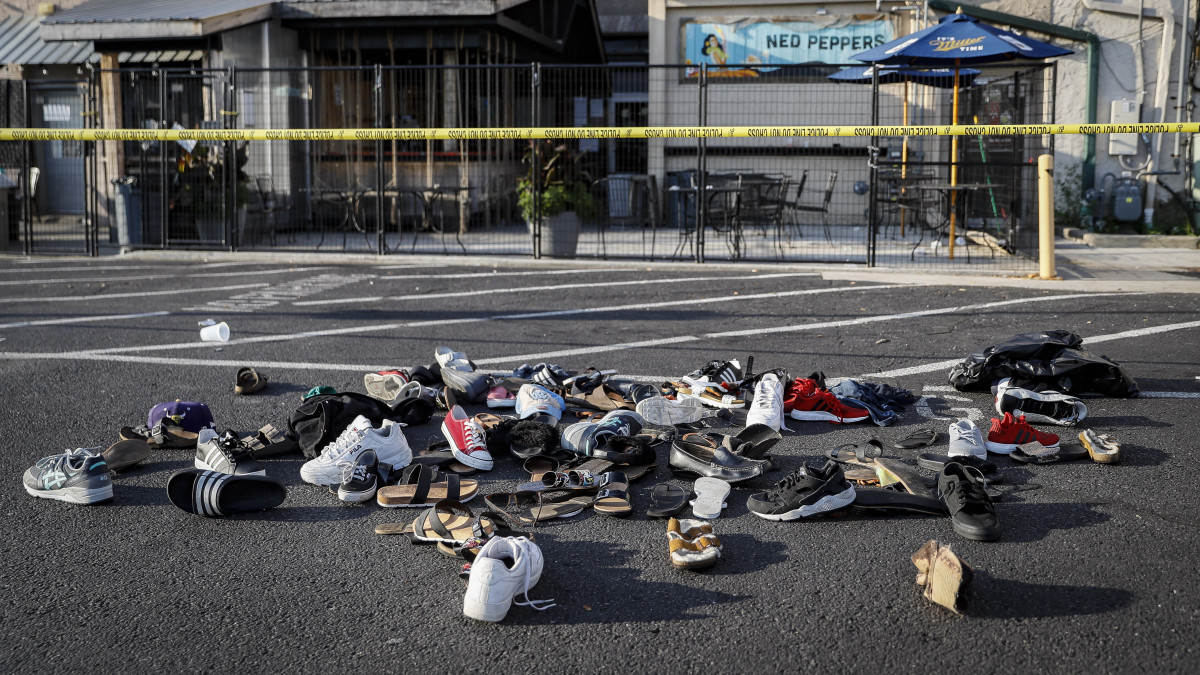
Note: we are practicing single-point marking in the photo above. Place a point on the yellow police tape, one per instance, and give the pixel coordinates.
(581, 132)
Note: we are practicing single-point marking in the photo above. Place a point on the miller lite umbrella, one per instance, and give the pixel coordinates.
(934, 77)
(958, 40)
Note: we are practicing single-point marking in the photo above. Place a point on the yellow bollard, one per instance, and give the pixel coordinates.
(1046, 216)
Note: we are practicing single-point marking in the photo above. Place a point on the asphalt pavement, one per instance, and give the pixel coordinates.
(1095, 572)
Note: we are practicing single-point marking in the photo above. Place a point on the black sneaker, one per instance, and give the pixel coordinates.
(78, 476)
(962, 488)
(805, 492)
(360, 480)
(226, 454)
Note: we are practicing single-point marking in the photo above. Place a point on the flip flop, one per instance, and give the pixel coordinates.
(1036, 453)
(666, 500)
(710, 497)
(573, 480)
(249, 381)
(420, 485)
(879, 498)
(613, 497)
(918, 439)
(124, 454)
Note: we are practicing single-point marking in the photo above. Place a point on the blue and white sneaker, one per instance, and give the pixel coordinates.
(77, 476)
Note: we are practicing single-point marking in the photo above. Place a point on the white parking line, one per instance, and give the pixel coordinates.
(534, 289)
(218, 363)
(949, 363)
(83, 268)
(106, 296)
(784, 329)
(81, 319)
(197, 275)
(374, 328)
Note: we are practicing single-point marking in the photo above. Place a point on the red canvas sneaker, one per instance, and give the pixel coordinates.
(467, 442)
(804, 401)
(1006, 434)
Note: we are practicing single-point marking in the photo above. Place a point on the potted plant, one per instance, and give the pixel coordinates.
(560, 188)
(201, 190)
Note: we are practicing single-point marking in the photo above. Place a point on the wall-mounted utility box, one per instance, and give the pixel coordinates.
(1123, 112)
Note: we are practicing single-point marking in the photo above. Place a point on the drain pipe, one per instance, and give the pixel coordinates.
(1162, 12)
(1088, 164)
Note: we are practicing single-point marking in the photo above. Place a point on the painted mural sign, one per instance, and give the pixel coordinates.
(763, 43)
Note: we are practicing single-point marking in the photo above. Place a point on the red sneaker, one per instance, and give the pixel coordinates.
(804, 401)
(466, 439)
(1006, 434)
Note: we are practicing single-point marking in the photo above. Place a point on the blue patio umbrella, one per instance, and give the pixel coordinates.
(961, 40)
(934, 77)
(956, 40)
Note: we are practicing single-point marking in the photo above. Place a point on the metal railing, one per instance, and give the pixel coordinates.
(763, 199)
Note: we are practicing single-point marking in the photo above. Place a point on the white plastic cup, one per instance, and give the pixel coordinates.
(217, 333)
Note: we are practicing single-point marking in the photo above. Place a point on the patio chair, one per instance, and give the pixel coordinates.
(624, 202)
(796, 207)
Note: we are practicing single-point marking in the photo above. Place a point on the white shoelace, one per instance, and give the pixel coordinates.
(475, 437)
(343, 445)
(352, 471)
(519, 546)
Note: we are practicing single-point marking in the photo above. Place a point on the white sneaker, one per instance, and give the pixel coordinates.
(503, 569)
(664, 412)
(387, 441)
(966, 440)
(448, 358)
(767, 407)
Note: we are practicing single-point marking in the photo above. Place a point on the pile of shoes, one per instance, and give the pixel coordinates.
(585, 438)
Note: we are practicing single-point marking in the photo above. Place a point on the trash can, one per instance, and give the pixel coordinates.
(128, 212)
(680, 209)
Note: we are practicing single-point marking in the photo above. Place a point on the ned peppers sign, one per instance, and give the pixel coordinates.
(728, 47)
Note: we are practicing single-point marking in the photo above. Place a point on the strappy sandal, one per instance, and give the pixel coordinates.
(613, 497)
(167, 434)
(1104, 448)
(890, 472)
(574, 480)
(439, 456)
(448, 521)
(269, 442)
(420, 485)
(717, 398)
(534, 507)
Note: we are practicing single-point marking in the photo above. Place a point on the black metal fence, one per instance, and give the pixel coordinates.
(791, 199)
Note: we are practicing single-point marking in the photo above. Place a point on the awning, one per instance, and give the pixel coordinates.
(151, 19)
(20, 43)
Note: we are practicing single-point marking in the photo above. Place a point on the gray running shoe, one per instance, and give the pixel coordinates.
(77, 476)
(471, 386)
(966, 440)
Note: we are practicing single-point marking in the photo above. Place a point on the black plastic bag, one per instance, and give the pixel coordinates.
(321, 419)
(1053, 359)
